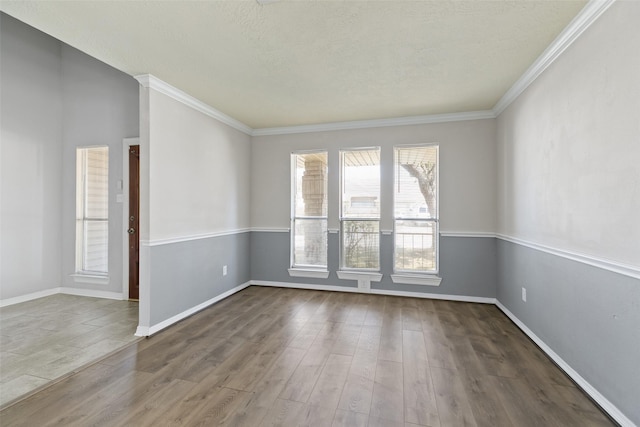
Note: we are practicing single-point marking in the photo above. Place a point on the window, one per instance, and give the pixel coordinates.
(92, 210)
(360, 209)
(416, 209)
(309, 217)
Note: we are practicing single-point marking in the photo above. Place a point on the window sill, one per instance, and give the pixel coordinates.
(303, 272)
(92, 279)
(415, 279)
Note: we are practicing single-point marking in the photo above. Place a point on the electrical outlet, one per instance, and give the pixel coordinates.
(524, 294)
(224, 270)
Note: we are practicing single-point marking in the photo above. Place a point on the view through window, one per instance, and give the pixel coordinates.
(360, 209)
(416, 209)
(309, 210)
(92, 210)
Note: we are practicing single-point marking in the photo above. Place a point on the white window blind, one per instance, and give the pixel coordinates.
(416, 209)
(360, 209)
(309, 219)
(92, 210)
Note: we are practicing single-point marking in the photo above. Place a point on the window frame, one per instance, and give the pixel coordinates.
(82, 218)
(342, 219)
(409, 275)
(306, 270)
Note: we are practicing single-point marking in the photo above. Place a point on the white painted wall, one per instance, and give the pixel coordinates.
(144, 260)
(467, 171)
(194, 181)
(199, 172)
(31, 160)
(569, 147)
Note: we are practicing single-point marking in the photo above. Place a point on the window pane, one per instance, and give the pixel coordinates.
(415, 245)
(360, 243)
(97, 183)
(361, 184)
(416, 175)
(310, 184)
(96, 244)
(92, 198)
(310, 245)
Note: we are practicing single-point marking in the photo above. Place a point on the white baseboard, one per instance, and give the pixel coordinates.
(62, 290)
(462, 298)
(144, 331)
(28, 297)
(604, 403)
(303, 286)
(92, 293)
(445, 297)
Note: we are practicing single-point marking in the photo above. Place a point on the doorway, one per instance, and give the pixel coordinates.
(131, 213)
(134, 222)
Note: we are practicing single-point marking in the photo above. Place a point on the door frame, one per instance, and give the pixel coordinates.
(126, 143)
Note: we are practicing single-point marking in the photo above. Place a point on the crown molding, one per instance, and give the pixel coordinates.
(376, 123)
(587, 16)
(151, 81)
(583, 20)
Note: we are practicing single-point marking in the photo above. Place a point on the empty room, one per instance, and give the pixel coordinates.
(320, 213)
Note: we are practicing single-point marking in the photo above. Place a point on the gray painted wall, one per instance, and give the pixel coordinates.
(54, 99)
(194, 182)
(467, 264)
(467, 172)
(568, 178)
(589, 316)
(100, 107)
(467, 202)
(31, 160)
(186, 274)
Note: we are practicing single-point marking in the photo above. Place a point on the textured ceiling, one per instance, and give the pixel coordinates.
(307, 62)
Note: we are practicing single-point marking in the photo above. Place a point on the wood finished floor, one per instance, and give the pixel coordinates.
(46, 338)
(285, 357)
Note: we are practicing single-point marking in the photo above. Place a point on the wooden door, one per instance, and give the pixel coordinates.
(134, 211)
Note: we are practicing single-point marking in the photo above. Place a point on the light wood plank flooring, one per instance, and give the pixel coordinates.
(285, 357)
(47, 338)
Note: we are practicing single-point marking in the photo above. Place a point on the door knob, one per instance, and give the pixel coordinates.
(131, 231)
